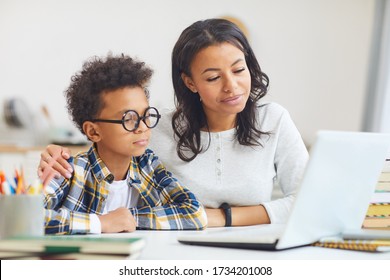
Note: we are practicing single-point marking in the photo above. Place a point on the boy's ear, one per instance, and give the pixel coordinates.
(91, 130)
(189, 83)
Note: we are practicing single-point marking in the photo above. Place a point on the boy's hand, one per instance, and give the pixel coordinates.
(119, 220)
(55, 157)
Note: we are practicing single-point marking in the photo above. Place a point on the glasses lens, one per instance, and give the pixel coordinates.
(151, 117)
(130, 120)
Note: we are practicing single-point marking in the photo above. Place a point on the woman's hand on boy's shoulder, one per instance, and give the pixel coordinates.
(55, 157)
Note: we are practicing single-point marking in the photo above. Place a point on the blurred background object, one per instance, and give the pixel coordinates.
(316, 53)
(20, 126)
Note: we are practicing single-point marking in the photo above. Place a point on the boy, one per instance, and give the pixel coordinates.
(118, 185)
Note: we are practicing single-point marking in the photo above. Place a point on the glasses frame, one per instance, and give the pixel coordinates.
(140, 118)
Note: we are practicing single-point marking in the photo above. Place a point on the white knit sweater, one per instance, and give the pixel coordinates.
(237, 174)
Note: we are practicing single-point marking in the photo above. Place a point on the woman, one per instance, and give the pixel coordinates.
(229, 148)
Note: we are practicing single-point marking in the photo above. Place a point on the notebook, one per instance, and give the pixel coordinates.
(73, 246)
(333, 196)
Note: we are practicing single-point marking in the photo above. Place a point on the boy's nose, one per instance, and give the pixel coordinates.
(141, 127)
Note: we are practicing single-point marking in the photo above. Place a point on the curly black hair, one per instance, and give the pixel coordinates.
(100, 75)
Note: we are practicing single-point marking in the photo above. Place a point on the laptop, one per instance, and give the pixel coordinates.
(333, 197)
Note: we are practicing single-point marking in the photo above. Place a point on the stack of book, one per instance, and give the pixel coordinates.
(371, 240)
(356, 245)
(71, 247)
(378, 214)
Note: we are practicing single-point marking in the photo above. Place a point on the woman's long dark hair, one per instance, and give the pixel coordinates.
(189, 116)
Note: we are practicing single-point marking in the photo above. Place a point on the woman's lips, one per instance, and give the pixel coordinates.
(232, 100)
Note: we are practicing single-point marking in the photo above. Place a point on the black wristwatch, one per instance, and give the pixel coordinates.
(228, 213)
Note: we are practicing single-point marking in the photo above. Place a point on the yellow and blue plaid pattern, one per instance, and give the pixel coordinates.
(163, 204)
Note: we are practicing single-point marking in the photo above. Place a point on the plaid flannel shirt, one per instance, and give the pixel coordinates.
(163, 204)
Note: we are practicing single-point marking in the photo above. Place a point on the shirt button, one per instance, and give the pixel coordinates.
(217, 136)
(218, 160)
(218, 149)
(110, 177)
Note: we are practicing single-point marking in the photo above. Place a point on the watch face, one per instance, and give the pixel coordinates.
(224, 206)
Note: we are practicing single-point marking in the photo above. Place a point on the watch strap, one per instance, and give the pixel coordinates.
(228, 213)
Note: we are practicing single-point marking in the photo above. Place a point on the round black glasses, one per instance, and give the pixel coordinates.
(131, 119)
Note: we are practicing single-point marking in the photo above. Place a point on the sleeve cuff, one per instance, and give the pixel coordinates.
(95, 224)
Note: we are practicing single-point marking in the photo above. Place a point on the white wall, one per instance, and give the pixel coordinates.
(315, 51)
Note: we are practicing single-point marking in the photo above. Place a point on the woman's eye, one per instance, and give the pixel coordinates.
(239, 70)
(213, 79)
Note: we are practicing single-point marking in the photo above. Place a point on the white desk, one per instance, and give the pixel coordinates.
(163, 245)
(299, 263)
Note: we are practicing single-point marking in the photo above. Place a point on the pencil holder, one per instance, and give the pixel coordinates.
(21, 215)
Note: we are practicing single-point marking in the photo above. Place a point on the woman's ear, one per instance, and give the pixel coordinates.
(189, 83)
(91, 130)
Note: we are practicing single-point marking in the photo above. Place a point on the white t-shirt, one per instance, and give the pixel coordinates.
(119, 195)
(236, 174)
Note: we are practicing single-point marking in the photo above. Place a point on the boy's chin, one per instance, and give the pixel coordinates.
(139, 153)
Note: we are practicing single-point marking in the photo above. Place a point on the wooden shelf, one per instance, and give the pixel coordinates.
(22, 149)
